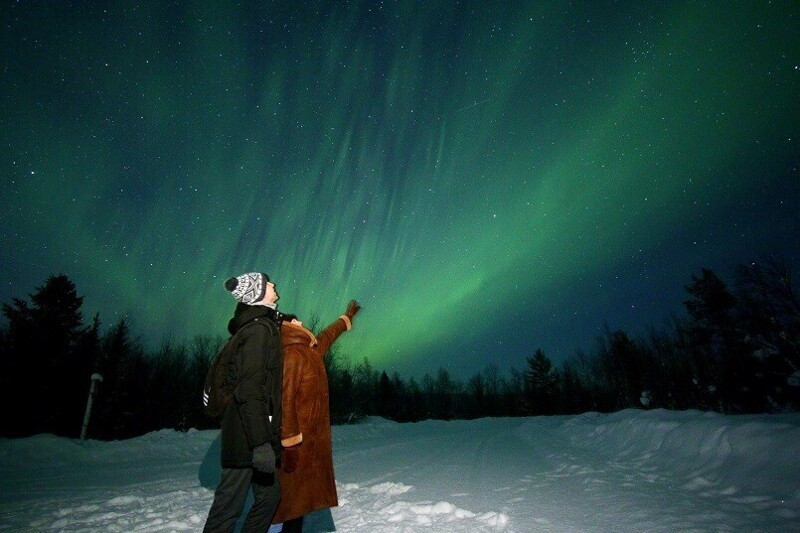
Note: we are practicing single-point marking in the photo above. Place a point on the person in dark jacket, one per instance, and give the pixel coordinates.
(250, 426)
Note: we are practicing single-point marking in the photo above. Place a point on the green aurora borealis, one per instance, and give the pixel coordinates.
(487, 178)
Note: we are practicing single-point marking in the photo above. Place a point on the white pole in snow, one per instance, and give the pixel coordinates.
(96, 378)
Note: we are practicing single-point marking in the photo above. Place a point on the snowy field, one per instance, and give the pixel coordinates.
(629, 471)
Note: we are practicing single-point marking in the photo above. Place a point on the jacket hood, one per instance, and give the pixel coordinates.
(246, 313)
(296, 334)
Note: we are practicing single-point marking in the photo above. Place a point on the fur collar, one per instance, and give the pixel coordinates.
(296, 334)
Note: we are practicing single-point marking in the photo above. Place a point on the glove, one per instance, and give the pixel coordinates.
(264, 459)
(352, 309)
(291, 456)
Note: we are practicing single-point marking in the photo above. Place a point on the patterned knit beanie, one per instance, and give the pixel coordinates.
(248, 288)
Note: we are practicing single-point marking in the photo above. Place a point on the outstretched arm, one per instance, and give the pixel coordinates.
(344, 323)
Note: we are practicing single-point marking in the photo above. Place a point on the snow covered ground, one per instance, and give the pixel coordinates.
(628, 471)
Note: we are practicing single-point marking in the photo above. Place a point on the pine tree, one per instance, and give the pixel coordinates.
(725, 362)
(540, 384)
(386, 403)
(53, 355)
(770, 314)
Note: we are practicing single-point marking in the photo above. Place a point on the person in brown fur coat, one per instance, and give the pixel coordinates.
(306, 473)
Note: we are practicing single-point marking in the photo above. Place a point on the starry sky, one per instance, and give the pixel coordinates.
(487, 178)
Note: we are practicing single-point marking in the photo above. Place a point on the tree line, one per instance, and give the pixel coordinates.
(736, 350)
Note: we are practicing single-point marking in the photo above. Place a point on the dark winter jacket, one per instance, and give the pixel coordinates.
(256, 370)
(306, 421)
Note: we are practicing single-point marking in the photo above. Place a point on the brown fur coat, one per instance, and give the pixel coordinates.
(306, 421)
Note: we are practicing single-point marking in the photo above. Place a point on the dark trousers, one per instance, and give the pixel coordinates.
(231, 494)
(295, 525)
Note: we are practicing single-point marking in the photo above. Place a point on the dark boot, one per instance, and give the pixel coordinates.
(295, 525)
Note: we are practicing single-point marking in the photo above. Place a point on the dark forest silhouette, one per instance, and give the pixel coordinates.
(736, 351)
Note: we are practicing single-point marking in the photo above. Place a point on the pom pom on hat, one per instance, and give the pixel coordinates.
(248, 288)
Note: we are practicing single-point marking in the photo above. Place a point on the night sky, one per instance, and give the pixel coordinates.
(487, 178)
